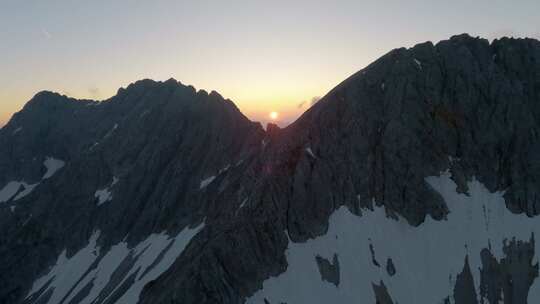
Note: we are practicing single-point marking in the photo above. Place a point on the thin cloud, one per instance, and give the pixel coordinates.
(311, 102)
(94, 92)
(315, 99)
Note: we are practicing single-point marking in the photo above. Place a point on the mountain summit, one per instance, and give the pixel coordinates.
(413, 181)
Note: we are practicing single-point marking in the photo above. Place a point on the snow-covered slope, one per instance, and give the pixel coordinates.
(426, 259)
(120, 273)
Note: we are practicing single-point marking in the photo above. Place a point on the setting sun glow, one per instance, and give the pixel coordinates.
(273, 115)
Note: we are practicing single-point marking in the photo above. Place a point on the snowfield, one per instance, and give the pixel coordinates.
(430, 255)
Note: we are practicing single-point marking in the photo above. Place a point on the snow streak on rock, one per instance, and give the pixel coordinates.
(18, 189)
(52, 165)
(91, 276)
(9, 190)
(105, 195)
(206, 182)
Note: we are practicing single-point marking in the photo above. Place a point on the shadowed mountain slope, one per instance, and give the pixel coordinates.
(160, 157)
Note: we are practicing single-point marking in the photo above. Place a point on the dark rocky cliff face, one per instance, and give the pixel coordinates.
(157, 140)
(175, 158)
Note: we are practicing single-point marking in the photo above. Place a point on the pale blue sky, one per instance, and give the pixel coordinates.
(264, 55)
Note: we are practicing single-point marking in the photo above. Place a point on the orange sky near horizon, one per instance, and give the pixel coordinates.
(263, 55)
(254, 103)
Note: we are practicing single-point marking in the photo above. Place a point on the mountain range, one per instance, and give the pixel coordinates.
(415, 180)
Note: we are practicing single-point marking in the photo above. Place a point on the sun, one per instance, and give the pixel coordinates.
(273, 115)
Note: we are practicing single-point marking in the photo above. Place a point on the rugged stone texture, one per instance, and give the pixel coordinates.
(381, 294)
(463, 105)
(511, 278)
(490, 285)
(373, 257)
(158, 139)
(464, 290)
(390, 268)
(329, 270)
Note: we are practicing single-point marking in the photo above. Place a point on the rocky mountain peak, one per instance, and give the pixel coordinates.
(166, 194)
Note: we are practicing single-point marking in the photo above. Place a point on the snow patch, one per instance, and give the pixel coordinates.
(13, 188)
(103, 196)
(453, 160)
(111, 131)
(418, 63)
(9, 191)
(429, 255)
(27, 189)
(224, 169)
(206, 182)
(93, 146)
(243, 203)
(52, 165)
(310, 152)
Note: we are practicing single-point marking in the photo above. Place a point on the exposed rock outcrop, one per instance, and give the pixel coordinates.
(329, 270)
